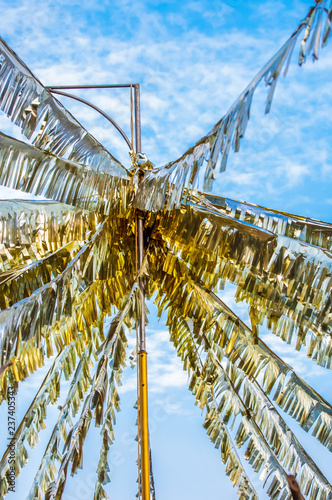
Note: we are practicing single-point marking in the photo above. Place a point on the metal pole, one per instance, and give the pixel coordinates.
(143, 429)
(142, 365)
(137, 118)
(106, 86)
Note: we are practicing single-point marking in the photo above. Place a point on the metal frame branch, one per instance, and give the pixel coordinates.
(59, 90)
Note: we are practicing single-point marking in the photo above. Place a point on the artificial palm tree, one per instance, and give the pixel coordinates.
(72, 281)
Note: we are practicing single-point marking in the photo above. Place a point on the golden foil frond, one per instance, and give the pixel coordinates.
(68, 268)
(164, 187)
(293, 226)
(221, 330)
(99, 404)
(96, 278)
(216, 429)
(32, 170)
(49, 467)
(31, 230)
(219, 380)
(220, 436)
(18, 284)
(286, 281)
(28, 317)
(44, 119)
(107, 431)
(33, 421)
(190, 352)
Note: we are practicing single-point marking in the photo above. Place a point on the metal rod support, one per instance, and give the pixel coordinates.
(144, 426)
(65, 94)
(107, 86)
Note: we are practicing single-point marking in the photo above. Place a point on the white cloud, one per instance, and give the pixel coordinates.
(189, 79)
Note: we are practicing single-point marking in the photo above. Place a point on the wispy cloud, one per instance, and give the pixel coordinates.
(190, 74)
(192, 60)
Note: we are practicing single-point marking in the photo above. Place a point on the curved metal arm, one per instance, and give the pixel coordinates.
(51, 89)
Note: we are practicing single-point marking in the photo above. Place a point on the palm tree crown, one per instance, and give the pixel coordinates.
(68, 265)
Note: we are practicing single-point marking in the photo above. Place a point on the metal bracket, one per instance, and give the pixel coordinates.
(59, 90)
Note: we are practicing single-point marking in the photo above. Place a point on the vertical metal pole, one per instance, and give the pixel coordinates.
(137, 118)
(142, 365)
(142, 342)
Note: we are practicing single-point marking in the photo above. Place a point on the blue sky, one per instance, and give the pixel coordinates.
(192, 59)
